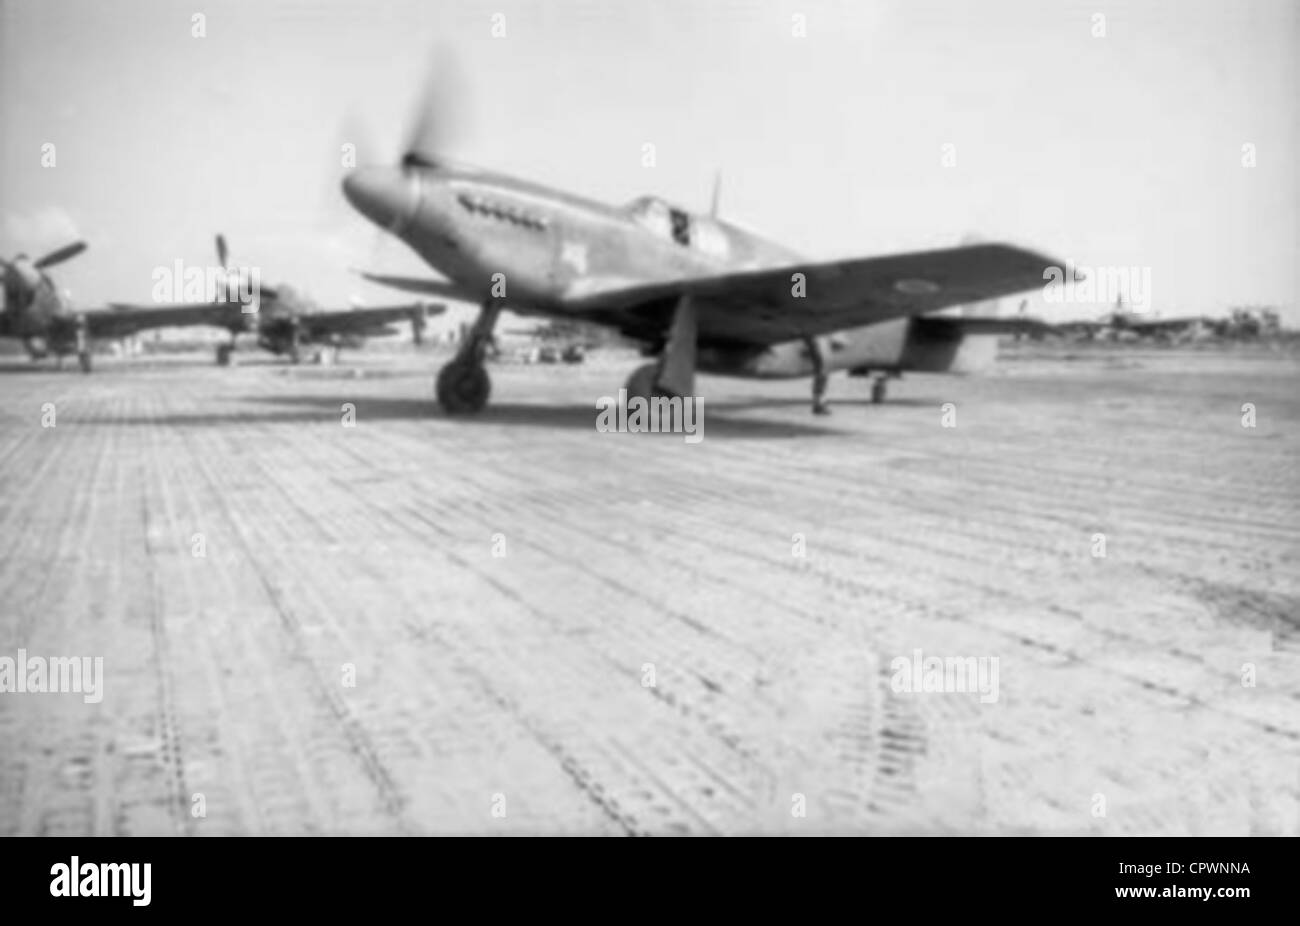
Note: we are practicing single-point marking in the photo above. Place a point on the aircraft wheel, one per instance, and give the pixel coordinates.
(83, 357)
(463, 387)
(878, 391)
(642, 381)
(223, 355)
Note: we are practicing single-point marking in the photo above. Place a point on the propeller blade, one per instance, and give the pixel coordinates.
(59, 256)
(436, 114)
(222, 252)
(422, 131)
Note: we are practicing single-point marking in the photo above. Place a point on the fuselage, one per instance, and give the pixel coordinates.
(536, 248)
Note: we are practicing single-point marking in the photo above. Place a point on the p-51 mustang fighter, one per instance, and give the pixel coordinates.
(38, 315)
(284, 322)
(698, 292)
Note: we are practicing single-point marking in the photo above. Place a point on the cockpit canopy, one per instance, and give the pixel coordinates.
(656, 215)
(674, 224)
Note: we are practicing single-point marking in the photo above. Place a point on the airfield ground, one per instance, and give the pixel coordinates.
(510, 693)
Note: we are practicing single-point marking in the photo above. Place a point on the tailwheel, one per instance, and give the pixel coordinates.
(83, 357)
(223, 354)
(878, 390)
(463, 387)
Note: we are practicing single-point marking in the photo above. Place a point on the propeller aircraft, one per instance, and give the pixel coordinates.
(697, 292)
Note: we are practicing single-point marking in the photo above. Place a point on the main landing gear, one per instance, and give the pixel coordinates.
(821, 377)
(463, 384)
(83, 344)
(295, 339)
(673, 374)
(643, 382)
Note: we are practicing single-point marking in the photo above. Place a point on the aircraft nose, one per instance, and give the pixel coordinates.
(381, 194)
(21, 267)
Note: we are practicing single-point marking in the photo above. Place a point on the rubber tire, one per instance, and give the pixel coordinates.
(642, 381)
(463, 388)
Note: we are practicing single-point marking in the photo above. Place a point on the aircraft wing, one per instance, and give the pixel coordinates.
(362, 321)
(764, 307)
(120, 320)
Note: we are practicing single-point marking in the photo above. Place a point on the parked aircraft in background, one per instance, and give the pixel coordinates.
(1120, 320)
(284, 322)
(46, 322)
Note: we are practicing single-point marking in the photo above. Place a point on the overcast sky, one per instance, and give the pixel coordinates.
(1125, 149)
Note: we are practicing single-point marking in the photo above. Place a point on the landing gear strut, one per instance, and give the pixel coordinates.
(673, 374)
(83, 345)
(821, 378)
(295, 340)
(878, 389)
(463, 385)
